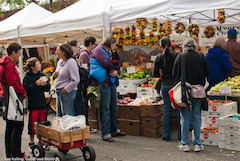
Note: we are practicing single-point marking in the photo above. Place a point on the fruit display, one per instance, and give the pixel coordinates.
(147, 82)
(125, 101)
(137, 75)
(144, 101)
(234, 83)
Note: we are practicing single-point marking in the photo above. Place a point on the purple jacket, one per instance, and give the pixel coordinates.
(101, 58)
(84, 58)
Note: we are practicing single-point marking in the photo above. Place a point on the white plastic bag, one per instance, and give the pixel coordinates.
(67, 122)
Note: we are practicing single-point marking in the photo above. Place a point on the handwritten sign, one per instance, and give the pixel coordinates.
(123, 91)
(225, 89)
(131, 70)
(148, 65)
(153, 57)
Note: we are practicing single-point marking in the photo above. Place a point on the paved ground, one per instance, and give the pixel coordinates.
(131, 148)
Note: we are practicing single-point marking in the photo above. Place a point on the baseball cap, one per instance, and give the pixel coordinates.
(232, 32)
(174, 44)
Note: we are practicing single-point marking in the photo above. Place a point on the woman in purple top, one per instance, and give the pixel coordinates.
(108, 104)
(66, 80)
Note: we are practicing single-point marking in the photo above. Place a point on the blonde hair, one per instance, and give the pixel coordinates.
(220, 43)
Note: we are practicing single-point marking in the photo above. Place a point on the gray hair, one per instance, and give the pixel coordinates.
(189, 44)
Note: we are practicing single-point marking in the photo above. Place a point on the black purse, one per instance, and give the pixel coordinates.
(205, 104)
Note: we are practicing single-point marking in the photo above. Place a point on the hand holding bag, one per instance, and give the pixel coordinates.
(97, 71)
(12, 103)
(180, 93)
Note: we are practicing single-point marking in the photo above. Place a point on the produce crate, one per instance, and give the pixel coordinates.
(151, 110)
(64, 140)
(93, 124)
(121, 111)
(152, 122)
(145, 92)
(130, 85)
(93, 113)
(121, 124)
(132, 127)
(132, 112)
(151, 132)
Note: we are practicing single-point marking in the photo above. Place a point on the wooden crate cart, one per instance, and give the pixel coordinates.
(64, 141)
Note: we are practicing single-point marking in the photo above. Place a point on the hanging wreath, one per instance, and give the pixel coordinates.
(161, 33)
(151, 40)
(121, 37)
(142, 40)
(141, 23)
(133, 36)
(128, 37)
(168, 26)
(116, 33)
(193, 29)
(209, 32)
(221, 16)
(154, 25)
(116, 49)
(180, 28)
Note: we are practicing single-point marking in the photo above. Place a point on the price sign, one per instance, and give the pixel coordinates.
(225, 89)
(131, 70)
(148, 65)
(123, 91)
(153, 57)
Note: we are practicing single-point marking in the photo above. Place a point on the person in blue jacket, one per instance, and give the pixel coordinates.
(219, 61)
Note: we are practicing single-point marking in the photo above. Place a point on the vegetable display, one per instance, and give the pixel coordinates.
(234, 83)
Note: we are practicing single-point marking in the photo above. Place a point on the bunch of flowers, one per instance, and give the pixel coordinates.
(134, 33)
(128, 37)
(209, 32)
(193, 29)
(161, 33)
(168, 26)
(180, 28)
(48, 68)
(116, 33)
(221, 16)
(142, 40)
(154, 25)
(151, 41)
(141, 23)
(121, 37)
(116, 49)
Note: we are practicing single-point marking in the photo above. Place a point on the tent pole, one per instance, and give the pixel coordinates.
(110, 24)
(103, 32)
(48, 52)
(20, 59)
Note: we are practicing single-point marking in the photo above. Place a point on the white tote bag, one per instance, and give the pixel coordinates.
(12, 105)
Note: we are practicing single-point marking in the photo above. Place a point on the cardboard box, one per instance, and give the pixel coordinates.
(211, 120)
(221, 120)
(121, 111)
(221, 129)
(93, 124)
(132, 112)
(222, 144)
(174, 123)
(223, 109)
(93, 114)
(145, 92)
(232, 130)
(203, 124)
(232, 137)
(121, 124)
(99, 124)
(233, 146)
(221, 137)
(152, 122)
(151, 110)
(208, 137)
(132, 127)
(230, 121)
(129, 85)
(151, 132)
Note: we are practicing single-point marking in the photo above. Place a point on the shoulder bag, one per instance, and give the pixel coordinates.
(12, 103)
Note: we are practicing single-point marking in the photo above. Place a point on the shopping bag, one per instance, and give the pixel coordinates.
(180, 95)
(12, 105)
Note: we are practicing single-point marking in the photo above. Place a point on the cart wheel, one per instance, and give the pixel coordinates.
(88, 153)
(38, 151)
(63, 151)
(59, 156)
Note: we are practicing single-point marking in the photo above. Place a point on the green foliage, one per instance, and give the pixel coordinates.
(94, 92)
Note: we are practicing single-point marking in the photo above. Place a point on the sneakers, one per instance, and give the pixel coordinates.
(198, 148)
(184, 148)
(157, 99)
(93, 130)
(30, 146)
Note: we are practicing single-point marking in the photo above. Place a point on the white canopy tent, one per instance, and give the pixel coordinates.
(81, 19)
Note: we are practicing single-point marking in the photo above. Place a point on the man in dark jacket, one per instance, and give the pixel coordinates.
(35, 83)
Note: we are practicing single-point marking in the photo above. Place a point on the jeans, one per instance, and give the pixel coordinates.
(79, 107)
(167, 115)
(108, 110)
(65, 103)
(196, 122)
(13, 138)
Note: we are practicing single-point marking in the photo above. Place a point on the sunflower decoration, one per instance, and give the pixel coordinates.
(133, 36)
(151, 40)
(154, 25)
(116, 49)
(161, 33)
(168, 26)
(209, 32)
(221, 16)
(121, 37)
(141, 25)
(116, 33)
(128, 37)
(180, 28)
(193, 29)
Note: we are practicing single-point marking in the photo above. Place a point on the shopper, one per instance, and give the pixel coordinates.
(197, 68)
(13, 133)
(164, 63)
(108, 103)
(66, 81)
(75, 46)
(219, 61)
(35, 83)
(233, 49)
